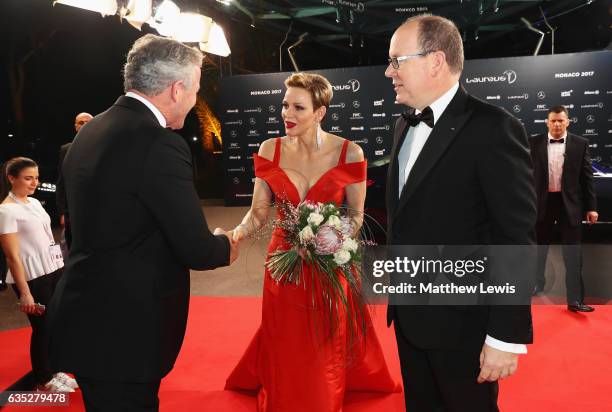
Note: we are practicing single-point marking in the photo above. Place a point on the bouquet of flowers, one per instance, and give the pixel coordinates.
(321, 237)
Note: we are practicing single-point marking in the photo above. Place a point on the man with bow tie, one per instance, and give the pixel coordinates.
(566, 195)
(459, 174)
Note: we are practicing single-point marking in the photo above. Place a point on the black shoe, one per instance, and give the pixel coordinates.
(580, 307)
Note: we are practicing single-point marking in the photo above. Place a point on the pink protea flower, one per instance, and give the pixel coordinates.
(328, 240)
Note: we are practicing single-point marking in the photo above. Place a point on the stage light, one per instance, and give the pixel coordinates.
(104, 7)
(225, 2)
(137, 12)
(192, 28)
(166, 18)
(217, 43)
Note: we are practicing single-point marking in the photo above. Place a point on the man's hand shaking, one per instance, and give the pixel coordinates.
(233, 243)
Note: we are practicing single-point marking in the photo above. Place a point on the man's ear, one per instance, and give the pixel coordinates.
(176, 89)
(437, 61)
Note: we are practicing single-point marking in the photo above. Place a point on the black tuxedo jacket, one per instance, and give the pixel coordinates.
(472, 184)
(577, 189)
(60, 189)
(120, 310)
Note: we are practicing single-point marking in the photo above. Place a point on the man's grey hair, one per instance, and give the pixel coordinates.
(437, 33)
(154, 63)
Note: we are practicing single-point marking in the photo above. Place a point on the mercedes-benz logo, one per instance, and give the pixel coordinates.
(236, 180)
(516, 108)
(233, 133)
(355, 85)
(356, 104)
(590, 118)
(272, 108)
(379, 139)
(252, 121)
(541, 95)
(335, 116)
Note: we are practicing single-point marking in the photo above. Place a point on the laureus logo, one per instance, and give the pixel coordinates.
(509, 76)
(352, 85)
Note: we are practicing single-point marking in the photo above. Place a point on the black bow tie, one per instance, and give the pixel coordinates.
(426, 116)
(557, 140)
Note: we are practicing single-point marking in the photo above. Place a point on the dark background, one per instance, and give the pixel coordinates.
(58, 61)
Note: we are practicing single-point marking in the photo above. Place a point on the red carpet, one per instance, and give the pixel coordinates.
(569, 368)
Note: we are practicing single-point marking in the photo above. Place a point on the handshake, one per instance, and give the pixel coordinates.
(234, 236)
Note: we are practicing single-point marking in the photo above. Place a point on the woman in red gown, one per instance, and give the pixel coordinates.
(295, 361)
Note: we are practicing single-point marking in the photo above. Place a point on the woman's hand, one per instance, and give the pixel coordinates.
(27, 304)
(240, 232)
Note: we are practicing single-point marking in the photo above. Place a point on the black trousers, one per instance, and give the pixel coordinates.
(570, 237)
(3, 268)
(42, 289)
(443, 380)
(104, 396)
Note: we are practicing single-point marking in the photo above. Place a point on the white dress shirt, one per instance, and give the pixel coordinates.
(160, 117)
(417, 136)
(556, 157)
(414, 142)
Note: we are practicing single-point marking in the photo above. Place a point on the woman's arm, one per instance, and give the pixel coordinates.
(10, 246)
(257, 215)
(356, 192)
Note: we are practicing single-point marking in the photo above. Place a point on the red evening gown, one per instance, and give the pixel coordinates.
(292, 363)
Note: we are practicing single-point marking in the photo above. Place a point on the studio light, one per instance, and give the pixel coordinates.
(137, 12)
(166, 18)
(192, 28)
(217, 43)
(104, 7)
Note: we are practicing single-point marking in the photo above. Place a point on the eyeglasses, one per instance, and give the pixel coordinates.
(395, 61)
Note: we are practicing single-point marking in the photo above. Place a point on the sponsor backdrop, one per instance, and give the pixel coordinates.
(363, 108)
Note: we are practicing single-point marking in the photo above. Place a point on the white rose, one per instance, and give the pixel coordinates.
(306, 234)
(341, 257)
(315, 219)
(334, 221)
(350, 245)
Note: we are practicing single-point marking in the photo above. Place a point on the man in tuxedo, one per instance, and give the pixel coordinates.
(118, 316)
(564, 186)
(459, 174)
(80, 120)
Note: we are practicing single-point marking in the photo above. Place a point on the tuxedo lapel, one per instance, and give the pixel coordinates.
(571, 150)
(399, 135)
(443, 133)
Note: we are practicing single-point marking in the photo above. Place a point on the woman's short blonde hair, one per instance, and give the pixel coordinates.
(318, 86)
